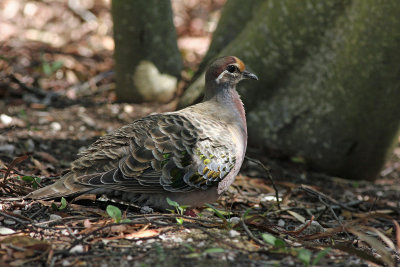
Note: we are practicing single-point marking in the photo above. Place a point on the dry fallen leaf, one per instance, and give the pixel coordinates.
(23, 247)
(47, 157)
(143, 234)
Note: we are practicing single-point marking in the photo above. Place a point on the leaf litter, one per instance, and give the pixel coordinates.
(58, 88)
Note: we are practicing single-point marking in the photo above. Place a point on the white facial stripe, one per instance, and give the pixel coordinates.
(220, 77)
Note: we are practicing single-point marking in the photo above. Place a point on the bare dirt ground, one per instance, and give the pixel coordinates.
(56, 98)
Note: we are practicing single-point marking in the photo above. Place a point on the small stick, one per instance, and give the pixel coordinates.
(256, 161)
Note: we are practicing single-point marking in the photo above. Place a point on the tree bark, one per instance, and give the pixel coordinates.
(234, 18)
(148, 61)
(277, 38)
(329, 88)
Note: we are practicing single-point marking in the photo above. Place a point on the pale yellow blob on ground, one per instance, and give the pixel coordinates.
(153, 85)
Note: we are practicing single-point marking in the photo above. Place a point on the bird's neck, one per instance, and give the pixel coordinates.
(229, 98)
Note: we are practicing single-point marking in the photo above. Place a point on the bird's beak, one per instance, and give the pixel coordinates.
(249, 75)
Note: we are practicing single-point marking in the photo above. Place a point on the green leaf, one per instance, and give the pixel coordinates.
(214, 250)
(193, 255)
(4, 58)
(304, 255)
(57, 65)
(189, 247)
(28, 179)
(298, 159)
(179, 221)
(320, 255)
(50, 68)
(34, 181)
(114, 213)
(246, 213)
(54, 206)
(221, 212)
(217, 212)
(172, 203)
(272, 240)
(172, 211)
(63, 204)
(46, 68)
(280, 243)
(180, 209)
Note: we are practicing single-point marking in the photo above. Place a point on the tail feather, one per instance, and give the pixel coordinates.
(66, 186)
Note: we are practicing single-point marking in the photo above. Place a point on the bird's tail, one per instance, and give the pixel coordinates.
(66, 186)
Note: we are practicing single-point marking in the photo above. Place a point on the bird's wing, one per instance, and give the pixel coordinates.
(160, 152)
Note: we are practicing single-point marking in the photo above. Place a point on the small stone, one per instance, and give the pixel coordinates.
(55, 126)
(281, 223)
(233, 233)
(176, 239)
(30, 145)
(7, 149)
(87, 120)
(17, 212)
(128, 109)
(43, 120)
(5, 119)
(146, 210)
(76, 249)
(314, 228)
(8, 221)
(269, 198)
(163, 237)
(234, 220)
(55, 217)
(6, 231)
(65, 232)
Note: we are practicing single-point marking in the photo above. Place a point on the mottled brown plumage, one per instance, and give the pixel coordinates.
(190, 156)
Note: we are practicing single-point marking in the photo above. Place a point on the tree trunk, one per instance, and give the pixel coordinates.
(228, 27)
(329, 88)
(148, 62)
(277, 38)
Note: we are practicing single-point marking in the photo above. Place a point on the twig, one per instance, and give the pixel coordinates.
(321, 195)
(322, 198)
(35, 91)
(397, 228)
(23, 223)
(250, 234)
(304, 227)
(269, 176)
(15, 162)
(39, 211)
(70, 232)
(80, 88)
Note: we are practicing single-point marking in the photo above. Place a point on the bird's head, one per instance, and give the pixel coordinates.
(227, 71)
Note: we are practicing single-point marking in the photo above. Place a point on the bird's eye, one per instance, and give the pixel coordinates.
(231, 68)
